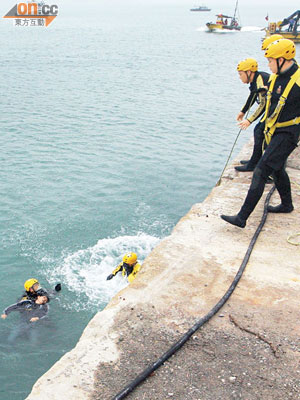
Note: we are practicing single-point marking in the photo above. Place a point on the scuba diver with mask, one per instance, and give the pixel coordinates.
(129, 267)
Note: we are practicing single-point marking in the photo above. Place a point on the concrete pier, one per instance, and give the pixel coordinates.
(249, 350)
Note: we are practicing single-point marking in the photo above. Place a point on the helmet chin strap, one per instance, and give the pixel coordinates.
(279, 67)
(248, 76)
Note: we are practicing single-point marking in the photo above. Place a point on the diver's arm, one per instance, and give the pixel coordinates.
(136, 268)
(53, 292)
(248, 103)
(261, 90)
(16, 307)
(42, 312)
(132, 276)
(115, 271)
(260, 109)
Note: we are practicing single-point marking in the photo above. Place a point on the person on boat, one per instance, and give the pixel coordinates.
(31, 310)
(257, 81)
(291, 25)
(234, 22)
(129, 267)
(282, 130)
(32, 286)
(219, 19)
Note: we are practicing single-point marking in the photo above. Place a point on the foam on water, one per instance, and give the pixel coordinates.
(252, 29)
(132, 133)
(84, 272)
(243, 29)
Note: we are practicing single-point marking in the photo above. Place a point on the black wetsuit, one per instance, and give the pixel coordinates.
(260, 80)
(29, 296)
(257, 83)
(283, 142)
(28, 309)
(33, 295)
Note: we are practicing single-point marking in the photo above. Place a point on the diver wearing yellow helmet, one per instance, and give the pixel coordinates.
(283, 51)
(257, 80)
(129, 267)
(32, 287)
(282, 131)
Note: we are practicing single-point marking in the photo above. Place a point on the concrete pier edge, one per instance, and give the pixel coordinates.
(180, 281)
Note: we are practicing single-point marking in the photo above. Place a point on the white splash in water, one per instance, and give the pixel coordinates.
(84, 272)
(224, 31)
(253, 29)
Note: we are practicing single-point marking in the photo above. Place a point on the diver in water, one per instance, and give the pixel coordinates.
(31, 310)
(32, 286)
(129, 267)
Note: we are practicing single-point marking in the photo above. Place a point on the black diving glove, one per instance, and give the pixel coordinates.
(109, 277)
(58, 287)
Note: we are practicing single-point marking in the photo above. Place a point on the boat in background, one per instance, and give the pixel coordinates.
(225, 22)
(200, 8)
(292, 30)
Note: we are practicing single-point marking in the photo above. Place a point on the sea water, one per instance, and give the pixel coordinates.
(114, 122)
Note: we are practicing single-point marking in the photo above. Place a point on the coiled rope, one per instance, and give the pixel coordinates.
(148, 371)
(291, 237)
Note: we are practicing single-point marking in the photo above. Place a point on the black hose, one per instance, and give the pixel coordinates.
(141, 377)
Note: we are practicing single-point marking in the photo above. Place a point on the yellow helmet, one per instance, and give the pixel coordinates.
(29, 283)
(250, 64)
(270, 39)
(130, 258)
(284, 48)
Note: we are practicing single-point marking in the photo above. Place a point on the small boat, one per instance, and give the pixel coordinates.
(225, 22)
(289, 28)
(201, 8)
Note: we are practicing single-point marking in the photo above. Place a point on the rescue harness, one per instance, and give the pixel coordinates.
(271, 123)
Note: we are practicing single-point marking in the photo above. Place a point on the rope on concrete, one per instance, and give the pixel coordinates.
(291, 241)
(148, 371)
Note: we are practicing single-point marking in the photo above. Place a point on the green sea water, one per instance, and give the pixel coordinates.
(114, 122)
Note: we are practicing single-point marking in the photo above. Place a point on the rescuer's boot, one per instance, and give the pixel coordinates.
(234, 220)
